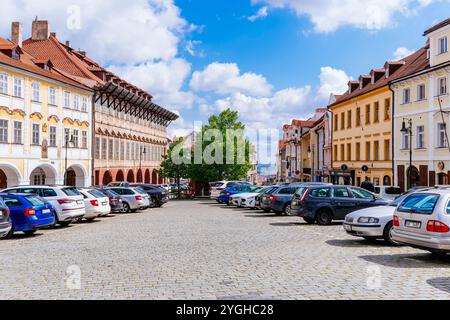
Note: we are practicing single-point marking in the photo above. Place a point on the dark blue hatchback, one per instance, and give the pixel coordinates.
(28, 213)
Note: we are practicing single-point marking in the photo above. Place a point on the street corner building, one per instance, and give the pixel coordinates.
(109, 129)
(363, 124)
(421, 114)
(40, 107)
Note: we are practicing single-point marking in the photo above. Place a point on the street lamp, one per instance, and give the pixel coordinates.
(143, 152)
(408, 130)
(67, 141)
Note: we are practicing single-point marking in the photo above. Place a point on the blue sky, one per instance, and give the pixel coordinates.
(198, 57)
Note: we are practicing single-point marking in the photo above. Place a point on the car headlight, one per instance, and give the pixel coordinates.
(368, 220)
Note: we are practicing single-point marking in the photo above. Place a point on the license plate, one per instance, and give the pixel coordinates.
(1, 215)
(104, 203)
(413, 224)
(45, 211)
(80, 202)
(348, 227)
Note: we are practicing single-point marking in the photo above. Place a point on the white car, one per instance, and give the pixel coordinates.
(374, 222)
(67, 201)
(240, 199)
(96, 204)
(387, 192)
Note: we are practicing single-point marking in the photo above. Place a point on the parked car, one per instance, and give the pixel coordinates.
(237, 199)
(115, 200)
(218, 187)
(387, 192)
(28, 212)
(224, 196)
(248, 200)
(279, 200)
(96, 203)
(133, 199)
(67, 201)
(165, 187)
(258, 198)
(158, 195)
(422, 221)
(5, 222)
(323, 204)
(373, 222)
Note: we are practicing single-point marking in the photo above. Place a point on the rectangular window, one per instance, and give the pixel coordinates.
(66, 99)
(75, 138)
(376, 112)
(442, 45)
(349, 151)
(116, 150)
(420, 92)
(335, 153)
(406, 96)
(35, 134)
(110, 149)
(104, 148)
(387, 150)
(387, 109)
(3, 83)
(405, 140)
(128, 150)
(358, 151)
(368, 114)
(53, 136)
(420, 137)
(442, 86)
(76, 102)
(4, 131)
(336, 120)
(66, 136)
(36, 91)
(136, 149)
(17, 132)
(342, 152)
(441, 136)
(342, 121)
(122, 150)
(376, 150)
(84, 139)
(368, 151)
(52, 95)
(349, 118)
(97, 148)
(18, 87)
(358, 117)
(84, 104)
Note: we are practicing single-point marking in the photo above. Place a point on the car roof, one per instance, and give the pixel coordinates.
(15, 194)
(440, 191)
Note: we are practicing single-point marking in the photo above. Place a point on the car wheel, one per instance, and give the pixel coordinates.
(309, 220)
(64, 223)
(10, 234)
(90, 219)
(288, 209)
(324, 217)
(387, 234)
(126, 207)
(133, 211)
(278, 213)
(29, 232)
(439, 254)
(371, 239)
(266, 210)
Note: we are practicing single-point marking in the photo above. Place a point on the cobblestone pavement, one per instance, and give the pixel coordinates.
(202, 250)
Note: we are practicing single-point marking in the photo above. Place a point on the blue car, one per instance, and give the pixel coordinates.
(28, 213)
(224, 196)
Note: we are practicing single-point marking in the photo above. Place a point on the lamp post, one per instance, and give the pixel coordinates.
(408, 130)
(67, 141)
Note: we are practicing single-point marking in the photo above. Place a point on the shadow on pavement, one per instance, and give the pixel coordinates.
(355, 243)
(425, 260)
(20, 236)
(287, 224)
(263, 216)
(442, 284)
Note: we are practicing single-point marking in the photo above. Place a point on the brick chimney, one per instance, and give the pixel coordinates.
(40, 30)
(16, 33)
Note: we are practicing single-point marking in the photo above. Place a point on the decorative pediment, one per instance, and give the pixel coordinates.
(53, 118)
(12, 111)
(36, 115)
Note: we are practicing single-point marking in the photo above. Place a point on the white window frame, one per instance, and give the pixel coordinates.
(441, 131)
(4, 79)
(52, 96)
(76, 102)
(18, 87)
(4, 131)
(84, 104)
(66, 99)
(17, 133)
(84, 139)
(420, 137)
(52, 136)
(76, 135)
(439, 87)
(405, 141)
(404, 95)
(35, 91)
(442, 45)
(35, 134)
(419, 98)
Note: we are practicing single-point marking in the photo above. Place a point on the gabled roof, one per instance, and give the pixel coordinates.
(437, 26)
(409, 65)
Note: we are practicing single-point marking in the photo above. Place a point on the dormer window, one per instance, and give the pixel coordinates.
(442, 45)
(15, 55)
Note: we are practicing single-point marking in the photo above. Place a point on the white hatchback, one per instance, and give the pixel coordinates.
(96, 203)
(422, 221)
(67, 201)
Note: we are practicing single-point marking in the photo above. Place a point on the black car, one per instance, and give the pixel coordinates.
(323, 204)
(115, 201)
(158, 194)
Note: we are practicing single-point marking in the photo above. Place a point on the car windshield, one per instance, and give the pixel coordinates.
(257, 189)
(140, 190)
(35, 201)
(397, 201)
(71, 191)
(110, 193)
(96, 193)
(420, 203)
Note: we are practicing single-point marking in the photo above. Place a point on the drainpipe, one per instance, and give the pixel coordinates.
(393, 133)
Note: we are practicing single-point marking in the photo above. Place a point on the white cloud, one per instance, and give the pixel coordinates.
(260, 14)
(331, 81)
(226, 78)
(402, 52)
(330, 15)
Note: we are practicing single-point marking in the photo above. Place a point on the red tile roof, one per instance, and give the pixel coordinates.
(28, 62)
(409, 65)
(437, 26)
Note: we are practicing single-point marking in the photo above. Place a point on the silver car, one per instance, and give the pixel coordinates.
(422, 221)
(373, 222)
(133, 198)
